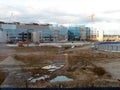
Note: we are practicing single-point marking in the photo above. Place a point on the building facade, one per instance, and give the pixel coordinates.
(15, 32)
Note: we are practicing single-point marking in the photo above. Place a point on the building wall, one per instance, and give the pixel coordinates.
(83, 33)
(56, 35)
(31, 27)
(88, 33)
(74, 33)
(8, 26)
(36, 36)
(100, 35)
(44, 32)
(3, 36)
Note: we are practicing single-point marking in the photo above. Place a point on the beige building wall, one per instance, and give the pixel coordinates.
(36, 36)
(100, 35)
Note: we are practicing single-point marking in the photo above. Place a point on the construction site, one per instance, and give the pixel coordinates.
(49, 66)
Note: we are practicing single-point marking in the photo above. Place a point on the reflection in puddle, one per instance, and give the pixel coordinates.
(61, 79)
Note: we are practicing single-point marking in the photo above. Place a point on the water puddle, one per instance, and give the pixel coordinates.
(61, 79)
(34, 80)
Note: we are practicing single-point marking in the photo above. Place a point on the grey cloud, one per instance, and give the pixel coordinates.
(49, 15)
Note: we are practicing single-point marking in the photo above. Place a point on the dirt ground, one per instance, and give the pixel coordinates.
(87, 67)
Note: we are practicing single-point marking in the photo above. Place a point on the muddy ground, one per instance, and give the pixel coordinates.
(23, 67)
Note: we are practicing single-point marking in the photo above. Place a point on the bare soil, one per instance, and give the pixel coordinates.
(88, 68)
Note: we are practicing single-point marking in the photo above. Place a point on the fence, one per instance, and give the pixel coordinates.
(109, 46)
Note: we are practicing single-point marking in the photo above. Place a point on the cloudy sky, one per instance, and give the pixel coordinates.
(106, 12)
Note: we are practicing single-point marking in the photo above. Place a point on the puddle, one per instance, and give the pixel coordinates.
(52, 68)
(34, 80)
(61, 79)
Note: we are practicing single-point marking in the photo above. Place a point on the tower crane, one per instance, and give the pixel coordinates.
(92, 22)
(92, 18)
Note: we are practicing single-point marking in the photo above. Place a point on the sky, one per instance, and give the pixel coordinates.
(106, 12)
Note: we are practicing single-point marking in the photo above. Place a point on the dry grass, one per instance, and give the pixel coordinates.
(92, 55)
(79, 62)
(32, 59)
(37, 49)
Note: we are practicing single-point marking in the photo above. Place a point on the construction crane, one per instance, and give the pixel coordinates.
(92, 18)
(92, 29)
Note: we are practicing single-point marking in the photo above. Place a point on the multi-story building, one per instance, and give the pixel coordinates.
(79, 33)
(74, 33)
(21, 32)
(14, 32)
(60, 33)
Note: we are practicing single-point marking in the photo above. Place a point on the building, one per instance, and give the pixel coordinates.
(15, 32)
(111, 38)
(60, 33)
(100, 35)
(88, 33)
(21, 32)
(79, 33)
(74, 33)
(83, 33)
